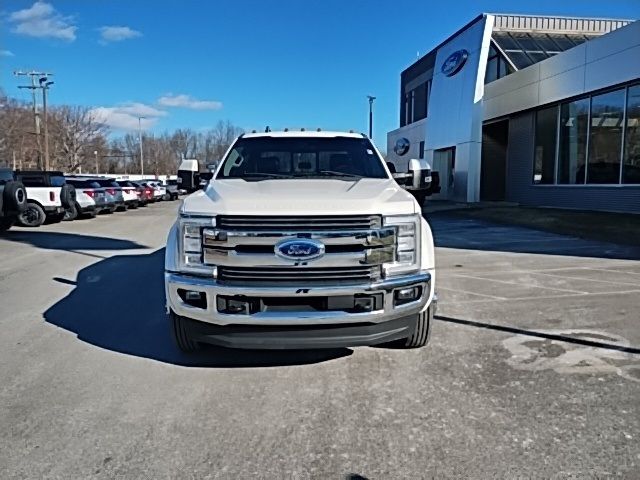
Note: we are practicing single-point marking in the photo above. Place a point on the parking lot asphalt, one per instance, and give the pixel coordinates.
(533, 368)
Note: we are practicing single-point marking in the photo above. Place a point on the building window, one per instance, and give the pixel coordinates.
(605, 142)
(497, 66)
(420, 102)
(597, 142)
(574, 121)
(409, 102)
(421, 152)
(631, 165)
(545, 145)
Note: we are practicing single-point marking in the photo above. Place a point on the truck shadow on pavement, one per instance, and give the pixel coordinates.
(119, 304)
(68, 241)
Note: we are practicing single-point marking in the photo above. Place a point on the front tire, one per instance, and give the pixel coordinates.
(422, 331)
(181, 335)
(71, 213)
(33, 216)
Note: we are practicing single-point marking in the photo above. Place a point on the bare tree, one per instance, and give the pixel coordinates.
(75, 132)
(16, 135)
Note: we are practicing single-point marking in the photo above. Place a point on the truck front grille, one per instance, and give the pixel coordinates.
(298, 224)
(278, 276)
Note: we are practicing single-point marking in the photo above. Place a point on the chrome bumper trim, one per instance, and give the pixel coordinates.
(174, 281)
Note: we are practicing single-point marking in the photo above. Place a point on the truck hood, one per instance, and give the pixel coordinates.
(301, 197)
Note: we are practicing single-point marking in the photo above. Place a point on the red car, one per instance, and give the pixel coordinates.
(145, 193)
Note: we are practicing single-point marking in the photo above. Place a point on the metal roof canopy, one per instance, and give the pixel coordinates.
(529, 39)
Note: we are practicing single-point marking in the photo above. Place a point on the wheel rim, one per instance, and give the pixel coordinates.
(30, 216)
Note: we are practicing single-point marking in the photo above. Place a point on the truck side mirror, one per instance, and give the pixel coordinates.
(419, 173)
(401, 178)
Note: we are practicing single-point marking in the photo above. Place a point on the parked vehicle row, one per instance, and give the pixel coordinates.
(32, 198)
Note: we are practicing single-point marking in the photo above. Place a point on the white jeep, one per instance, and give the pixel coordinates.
(300, 240)
(48, 195)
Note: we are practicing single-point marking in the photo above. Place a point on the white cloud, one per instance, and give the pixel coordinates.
(187, 101)
(125, 117)
(6, 53)
(117, 34)
(43, 21)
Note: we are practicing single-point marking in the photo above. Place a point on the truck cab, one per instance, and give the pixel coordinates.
(189, 175)
(302, 240)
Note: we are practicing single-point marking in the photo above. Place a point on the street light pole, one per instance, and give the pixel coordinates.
(371, 99)
(140, 142)
(95, 152)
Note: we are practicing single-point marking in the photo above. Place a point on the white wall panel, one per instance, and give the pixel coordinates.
(620, 67)
(563, 85)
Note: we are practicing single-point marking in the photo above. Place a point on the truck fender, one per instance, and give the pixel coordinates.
(427, 257)
(171, 253)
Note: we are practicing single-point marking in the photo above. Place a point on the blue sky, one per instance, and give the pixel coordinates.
(189, 63)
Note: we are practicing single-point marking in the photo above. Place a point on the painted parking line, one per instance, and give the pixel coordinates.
(443, 301)
(554, 275)
(457, 290)
(518, 284)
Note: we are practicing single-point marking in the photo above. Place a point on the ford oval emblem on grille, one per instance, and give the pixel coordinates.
(299, 249)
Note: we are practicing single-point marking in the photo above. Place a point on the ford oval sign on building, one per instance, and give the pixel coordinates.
(402, 146)
(299, 249)
(454, 62)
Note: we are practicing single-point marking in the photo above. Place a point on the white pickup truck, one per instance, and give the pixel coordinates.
(301, 240)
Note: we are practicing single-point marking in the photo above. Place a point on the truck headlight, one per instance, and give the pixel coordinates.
(191, 255)
(407, 256)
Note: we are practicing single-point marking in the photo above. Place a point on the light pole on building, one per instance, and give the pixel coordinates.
(371, 99)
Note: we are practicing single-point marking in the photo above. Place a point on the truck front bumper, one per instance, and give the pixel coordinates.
(286, 325)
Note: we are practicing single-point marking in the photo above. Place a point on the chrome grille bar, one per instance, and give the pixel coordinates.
(369, 238)
(298, 276)
(231, 257)
(295, 224)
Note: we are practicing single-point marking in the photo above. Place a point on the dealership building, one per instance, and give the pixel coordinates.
(541, 111)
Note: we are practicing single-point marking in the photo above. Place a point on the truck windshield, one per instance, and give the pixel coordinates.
(262, 158)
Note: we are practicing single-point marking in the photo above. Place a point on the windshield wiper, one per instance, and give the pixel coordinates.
(262, 175)
(334, 173)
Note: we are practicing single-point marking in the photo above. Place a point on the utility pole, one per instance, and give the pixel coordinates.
(44, 85)
(36, 116)
(140, 142)
(371, 99)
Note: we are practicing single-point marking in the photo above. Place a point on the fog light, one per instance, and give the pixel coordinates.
(406, 295)
(237, 306)
(363, 304)
(193, 298)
